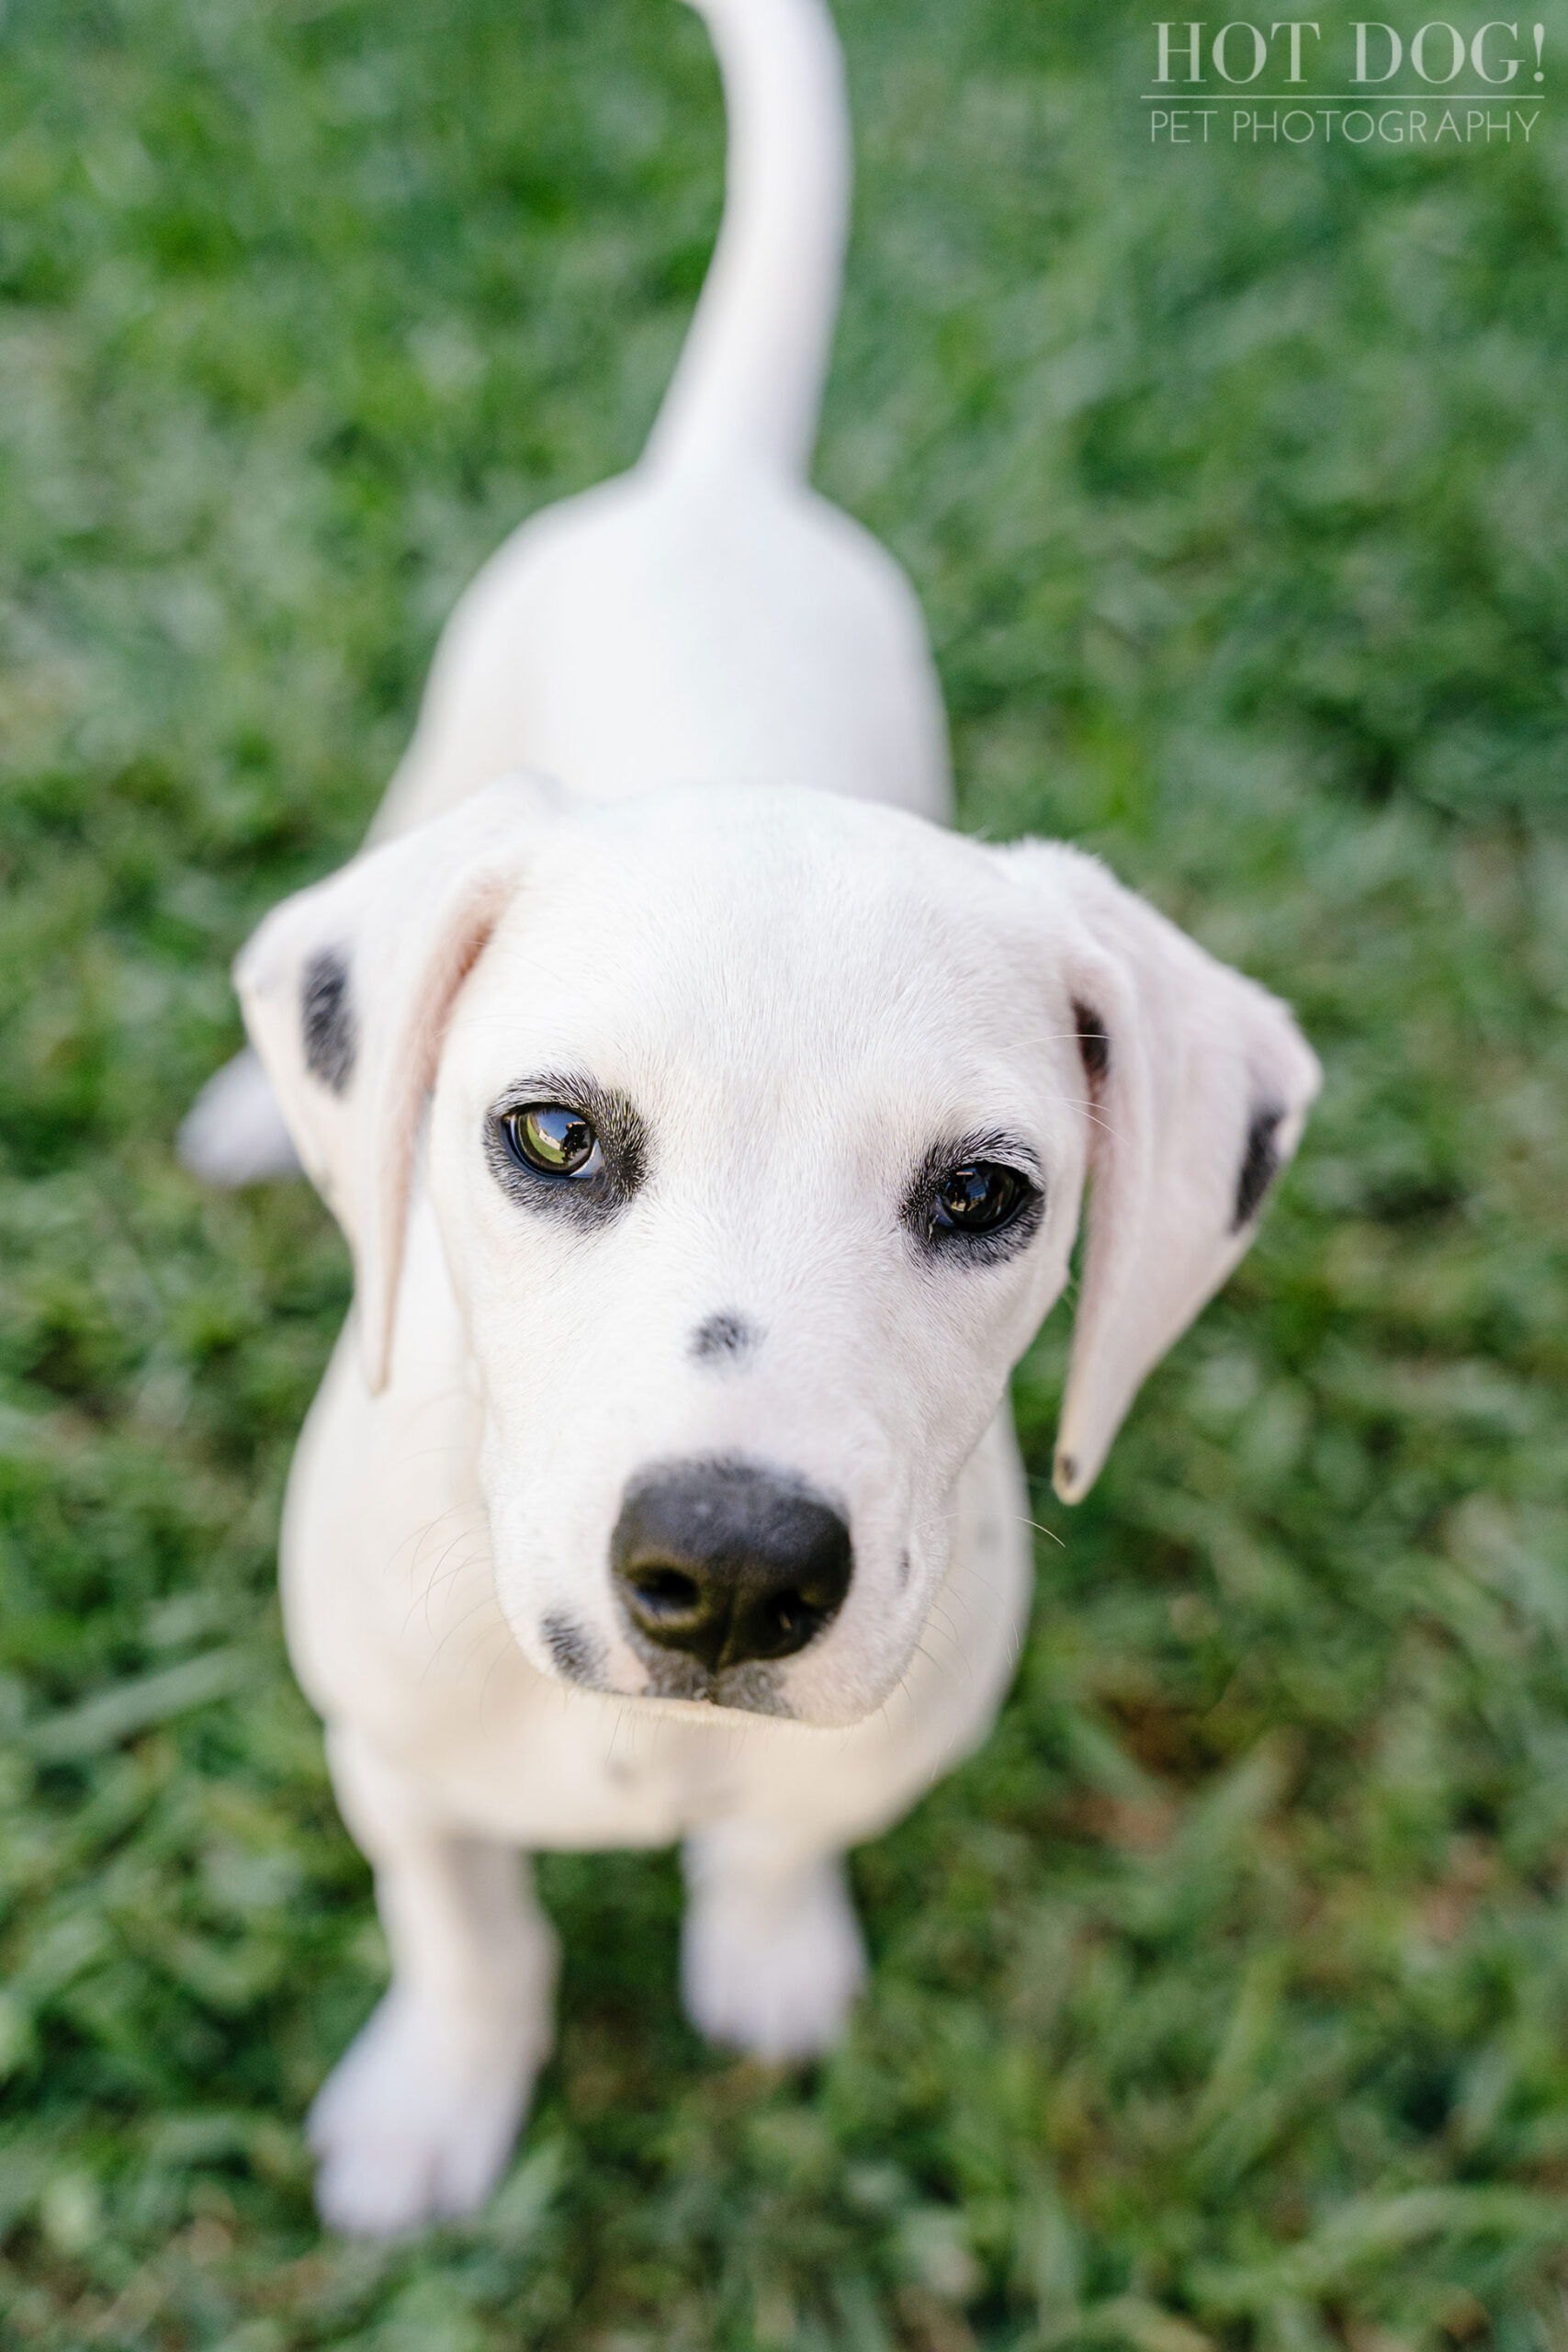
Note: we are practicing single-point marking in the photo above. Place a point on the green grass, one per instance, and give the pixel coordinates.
(1224, 1999)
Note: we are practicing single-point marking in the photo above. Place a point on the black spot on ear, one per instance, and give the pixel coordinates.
(1259, 1166)
(1094, 1045)
(326, 1020)
(577, 1655)
(723, 1335)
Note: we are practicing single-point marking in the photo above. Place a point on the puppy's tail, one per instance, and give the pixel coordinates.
(233, 1132)
(749, 379)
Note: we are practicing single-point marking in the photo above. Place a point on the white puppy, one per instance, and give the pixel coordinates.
(711, 1136)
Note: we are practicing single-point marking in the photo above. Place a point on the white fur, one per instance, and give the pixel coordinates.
(741, 916)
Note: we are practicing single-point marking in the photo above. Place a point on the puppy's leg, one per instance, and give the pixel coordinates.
(417, 2120)
(772, 1958)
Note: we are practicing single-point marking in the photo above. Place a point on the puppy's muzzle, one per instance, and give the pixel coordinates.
(728, 1562)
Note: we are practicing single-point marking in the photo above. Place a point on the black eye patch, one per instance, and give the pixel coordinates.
(560, 1146)
(1259, 1166)
(578, 1656)
(328, 1029)
(975, 1200)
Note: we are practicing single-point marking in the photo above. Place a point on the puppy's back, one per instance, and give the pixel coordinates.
(706, 619)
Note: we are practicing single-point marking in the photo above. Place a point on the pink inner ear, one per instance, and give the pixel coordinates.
(408, 1061)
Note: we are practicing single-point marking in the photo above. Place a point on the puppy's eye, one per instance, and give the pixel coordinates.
(553, 1139)
(980, 1197)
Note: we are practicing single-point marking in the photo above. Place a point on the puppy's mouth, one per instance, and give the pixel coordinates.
(749, 1688)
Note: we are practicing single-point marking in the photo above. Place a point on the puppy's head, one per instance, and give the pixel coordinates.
(758, 1129)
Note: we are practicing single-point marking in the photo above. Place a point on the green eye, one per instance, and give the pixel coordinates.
(553, 1139)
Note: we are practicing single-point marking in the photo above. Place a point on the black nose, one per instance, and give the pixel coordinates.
(727, 1561)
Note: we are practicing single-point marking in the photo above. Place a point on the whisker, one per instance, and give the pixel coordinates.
(1023, 1520)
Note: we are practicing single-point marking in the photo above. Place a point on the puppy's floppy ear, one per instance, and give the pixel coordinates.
(346, 990)
(1197, 1085)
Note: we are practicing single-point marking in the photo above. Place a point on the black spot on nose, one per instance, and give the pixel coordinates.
(723, 1337)
(728, 1562)
(577, 1656)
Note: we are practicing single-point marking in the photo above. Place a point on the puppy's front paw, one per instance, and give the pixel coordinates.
(770, 1970)
(415, 2124)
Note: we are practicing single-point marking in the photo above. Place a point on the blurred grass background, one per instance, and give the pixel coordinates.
(1224, 1999)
